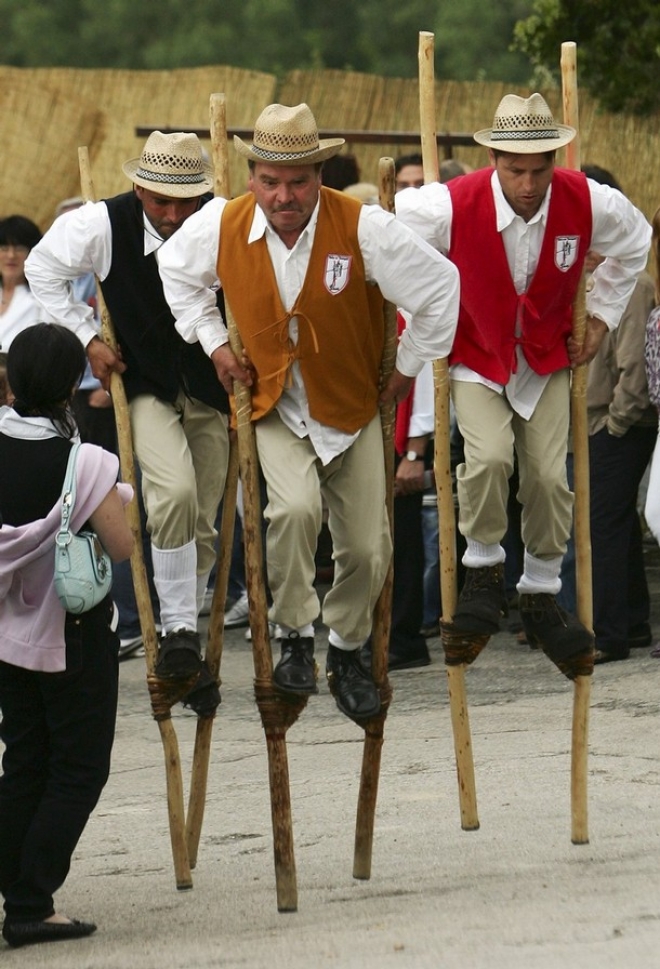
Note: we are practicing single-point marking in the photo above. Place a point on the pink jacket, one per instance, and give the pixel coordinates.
(31, 615)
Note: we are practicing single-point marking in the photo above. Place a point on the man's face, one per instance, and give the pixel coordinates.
(410, 176)
(524, 180)
(287, 194)
(165, 214)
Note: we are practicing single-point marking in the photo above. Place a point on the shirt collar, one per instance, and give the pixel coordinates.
(505, 215)
(152, 241)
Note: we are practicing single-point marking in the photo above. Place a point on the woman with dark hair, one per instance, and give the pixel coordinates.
(18, 308)
(58, 672)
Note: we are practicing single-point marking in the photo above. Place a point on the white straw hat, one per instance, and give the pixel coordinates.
(287, 136)
(171, 165)
(524, 126)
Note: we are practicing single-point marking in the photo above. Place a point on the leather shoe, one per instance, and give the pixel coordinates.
(399, 659)
(609, 655)
(204, 698)
(482, 601)
(351, 684)
(179, 655)
(296, 671)
(29, 933)
(559, 634)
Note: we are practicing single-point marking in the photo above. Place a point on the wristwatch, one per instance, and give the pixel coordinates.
(414, 456)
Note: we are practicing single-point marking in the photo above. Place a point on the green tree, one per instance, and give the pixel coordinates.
(374, 36)
(618, 47)
(473, 41)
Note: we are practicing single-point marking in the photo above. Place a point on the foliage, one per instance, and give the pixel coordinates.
(618, 46)
(374, 36)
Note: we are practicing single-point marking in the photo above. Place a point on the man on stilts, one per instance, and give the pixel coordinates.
(518, 233)
(304, 270)
(177, 408)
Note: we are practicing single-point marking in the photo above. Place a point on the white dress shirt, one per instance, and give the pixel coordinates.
(620, 232)
(409, 272)
(77, 243)
(23, 311)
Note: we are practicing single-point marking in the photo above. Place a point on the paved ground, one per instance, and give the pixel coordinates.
(514, 894)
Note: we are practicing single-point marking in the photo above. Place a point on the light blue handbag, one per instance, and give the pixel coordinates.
(83, 570)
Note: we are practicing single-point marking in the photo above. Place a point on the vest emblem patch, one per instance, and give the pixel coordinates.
(337, 273)
(566, 250)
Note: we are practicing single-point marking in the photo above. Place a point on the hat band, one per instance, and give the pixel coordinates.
(532, 134)
(282, 155)
(178, 178)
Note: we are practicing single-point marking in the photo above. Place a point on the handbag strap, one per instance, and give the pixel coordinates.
(68, 497)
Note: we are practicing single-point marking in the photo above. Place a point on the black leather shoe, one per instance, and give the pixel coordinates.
(29, 933)
(482, 601)
(179, 655)
(610, 655)
(204, 698)
(296, 671)
(399, 658)
(559, 634)
(351, 684)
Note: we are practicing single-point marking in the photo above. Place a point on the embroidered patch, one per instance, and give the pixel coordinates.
(337, 273)
(566, 250)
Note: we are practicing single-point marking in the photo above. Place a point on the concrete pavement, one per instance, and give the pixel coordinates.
(516, 893)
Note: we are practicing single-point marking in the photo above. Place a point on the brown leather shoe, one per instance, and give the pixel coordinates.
(482, 602)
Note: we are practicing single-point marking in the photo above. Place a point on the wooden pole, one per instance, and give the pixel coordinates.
(442, 469)
(277, 711)
(204, 733)
(582, 687)
(143, 599)
(382, 621)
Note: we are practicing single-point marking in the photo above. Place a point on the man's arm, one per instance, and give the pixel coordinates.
(417, 278)
(621, 234)
(188, 269)
(77, 243)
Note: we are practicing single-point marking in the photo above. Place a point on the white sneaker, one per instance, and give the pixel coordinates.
(206, 603)
(238, 614)
(128, 646)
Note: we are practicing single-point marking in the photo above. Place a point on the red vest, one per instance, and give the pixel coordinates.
(486, 336)
(341, 328)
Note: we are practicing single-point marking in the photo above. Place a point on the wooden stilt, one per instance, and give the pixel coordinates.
(175, 803)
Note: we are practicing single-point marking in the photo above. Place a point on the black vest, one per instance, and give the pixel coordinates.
(158, 361)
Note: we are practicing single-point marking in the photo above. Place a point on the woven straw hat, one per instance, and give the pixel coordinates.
(287, 136)
(524, 126)
(171, 165)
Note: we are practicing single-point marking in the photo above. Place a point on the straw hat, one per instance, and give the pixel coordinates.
(171, 165)
(524, 126)
(287, 136)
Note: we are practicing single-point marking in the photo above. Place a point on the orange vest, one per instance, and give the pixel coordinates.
(340, 315)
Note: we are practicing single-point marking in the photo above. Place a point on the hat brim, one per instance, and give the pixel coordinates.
(326, 149)
(526, 145)
(173, 189)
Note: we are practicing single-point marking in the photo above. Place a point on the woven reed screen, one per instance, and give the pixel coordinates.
(47, 113)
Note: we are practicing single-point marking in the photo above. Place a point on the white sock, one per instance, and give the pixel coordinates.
(175, 578)
(479, 556)
(305, 632)
(540, 575)
(348, 645)
(202, 586)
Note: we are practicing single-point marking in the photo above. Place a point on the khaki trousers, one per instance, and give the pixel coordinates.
(353, 486)
(182, 449)
(491, 430)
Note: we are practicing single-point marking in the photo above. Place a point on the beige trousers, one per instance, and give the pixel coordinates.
(492, 430)
(182, 449)
(353, 486)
